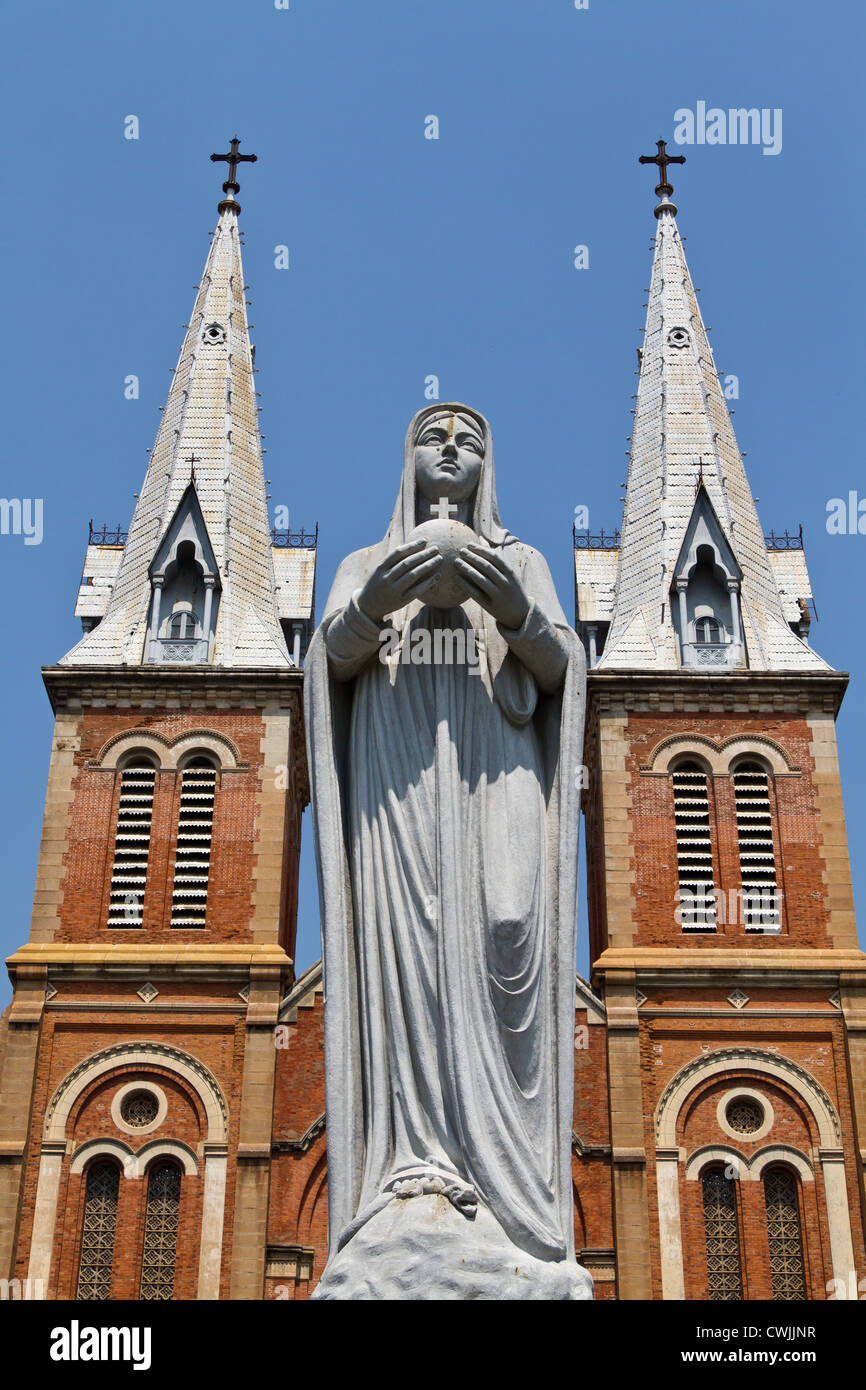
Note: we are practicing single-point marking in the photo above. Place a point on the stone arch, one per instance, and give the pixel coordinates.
(669, 1156)
(169, 752)
(218, 745)
(118, 750)
(134, 1164)
(215, 1150)
(313, 1194)
(676, 746)
(719, 754)
(783, 1154)
(715, 1153)
(137, 1054)
(771, 1064)
(103, 1148)
(776, 759)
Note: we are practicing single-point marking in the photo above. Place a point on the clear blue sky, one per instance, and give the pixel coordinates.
(410, 257)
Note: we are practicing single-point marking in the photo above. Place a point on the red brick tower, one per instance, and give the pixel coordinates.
(723, 939)
(139, 1061)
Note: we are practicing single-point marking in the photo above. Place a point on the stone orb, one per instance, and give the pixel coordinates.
(449, 538)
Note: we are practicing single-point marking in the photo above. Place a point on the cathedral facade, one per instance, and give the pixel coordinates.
(162, 1106)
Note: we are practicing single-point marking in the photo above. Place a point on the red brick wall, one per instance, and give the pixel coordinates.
(817, 1045)
(216, 1040)
(797, 835)
(84, 908)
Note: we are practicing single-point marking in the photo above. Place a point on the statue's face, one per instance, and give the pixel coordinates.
(448, 457)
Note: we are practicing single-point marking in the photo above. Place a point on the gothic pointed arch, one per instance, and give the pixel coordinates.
(185, 581)
(706, 592)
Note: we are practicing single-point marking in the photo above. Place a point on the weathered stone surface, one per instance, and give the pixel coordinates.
(425, 1249)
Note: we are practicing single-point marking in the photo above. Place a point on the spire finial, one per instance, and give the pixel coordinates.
(663, 188)
(231, 187)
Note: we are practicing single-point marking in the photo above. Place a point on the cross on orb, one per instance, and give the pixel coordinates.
(233, 159)
(662, 159)
(443, 509)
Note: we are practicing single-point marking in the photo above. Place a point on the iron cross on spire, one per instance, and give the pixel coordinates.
(233, 159)
(662, 159)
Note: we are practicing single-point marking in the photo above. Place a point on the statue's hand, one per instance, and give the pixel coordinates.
(493, 584)
(401, 576)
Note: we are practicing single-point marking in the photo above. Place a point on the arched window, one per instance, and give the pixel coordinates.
(709, 631)
(697, 903)
(161, 1218)
(131, 844)
(757, 853)
(97, 1236)
(787, 1270)
(721, 1237)
(183, 626)
(192, 855)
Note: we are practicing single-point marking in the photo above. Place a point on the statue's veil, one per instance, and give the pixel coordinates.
(485, 516)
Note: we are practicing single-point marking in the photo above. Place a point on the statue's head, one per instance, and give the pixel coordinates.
(449, 452)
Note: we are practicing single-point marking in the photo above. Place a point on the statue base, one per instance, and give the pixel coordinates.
(423, 1248)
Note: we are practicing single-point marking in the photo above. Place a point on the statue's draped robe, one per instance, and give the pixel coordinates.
(445, 803)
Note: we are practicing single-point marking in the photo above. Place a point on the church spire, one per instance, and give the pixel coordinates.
(196, 581)
(695, 585)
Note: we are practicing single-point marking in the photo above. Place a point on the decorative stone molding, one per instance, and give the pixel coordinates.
(169, 753)
(137, 1054)
(717, 755)
(781, 1153)
(745, 1093)
(600, 1263)
(134, 1164)
(132, 1088)
(830, 1154)
(310, 1135)
(289, 1262)
(751, 1059)
(748, 1169)
(104, 1148)
(715, 1153)
(584, 1150)
(167, 1148)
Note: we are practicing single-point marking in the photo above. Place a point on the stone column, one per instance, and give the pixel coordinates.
(45, 1215)
(670, 1225)
(208, 608)
(153, 643)
(630, 1212)
(734, 591)
(838, 1214)
(252, 1182)
(682, 586)
(212, 1220)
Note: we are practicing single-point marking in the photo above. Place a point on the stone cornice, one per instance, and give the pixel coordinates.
(70, 687)
(134, 959)
(687, 965)
(738, 691)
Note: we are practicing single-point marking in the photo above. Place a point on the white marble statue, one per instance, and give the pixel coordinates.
(444, 747)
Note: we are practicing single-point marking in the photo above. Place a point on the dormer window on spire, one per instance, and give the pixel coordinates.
(185, 586)
(705, 600)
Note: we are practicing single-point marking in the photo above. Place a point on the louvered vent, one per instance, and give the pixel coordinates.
(131, 845)
(757, 853)
(697, 904)
(192, 856)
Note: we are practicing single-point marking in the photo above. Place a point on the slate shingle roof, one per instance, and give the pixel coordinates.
(682, 434)
(210, 414)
